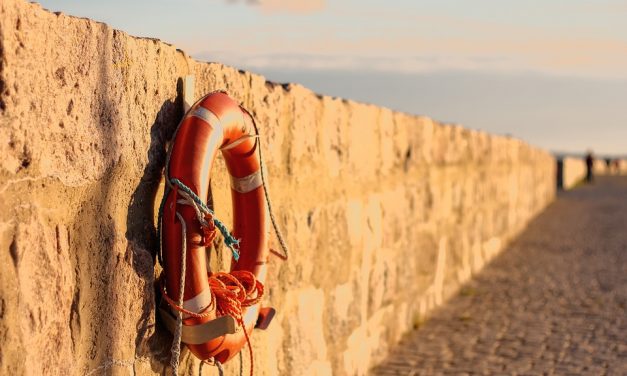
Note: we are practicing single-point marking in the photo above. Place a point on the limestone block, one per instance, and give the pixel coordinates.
(422, 139)
(363, 139)
(334, 142)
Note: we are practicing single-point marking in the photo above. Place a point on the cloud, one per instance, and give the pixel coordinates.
(579, 57)
(291, 6)
(404, 64)
(409, 42)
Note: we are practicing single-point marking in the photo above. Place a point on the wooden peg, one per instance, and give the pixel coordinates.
(188, 92)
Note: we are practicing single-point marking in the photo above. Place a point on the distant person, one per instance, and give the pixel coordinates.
(589, 165)
(616, 165)
(608, 165)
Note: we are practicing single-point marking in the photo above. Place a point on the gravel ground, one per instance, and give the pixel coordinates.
(553, 303)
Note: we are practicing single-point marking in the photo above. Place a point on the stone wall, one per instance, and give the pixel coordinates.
(573, 172)
(616, 167)
(386, 213)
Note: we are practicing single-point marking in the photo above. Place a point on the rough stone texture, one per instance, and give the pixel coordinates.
(554, 303)
(386, 213)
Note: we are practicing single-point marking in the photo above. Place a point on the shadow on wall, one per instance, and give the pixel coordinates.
(141, 231)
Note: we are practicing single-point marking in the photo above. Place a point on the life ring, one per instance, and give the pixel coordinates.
(214, 123)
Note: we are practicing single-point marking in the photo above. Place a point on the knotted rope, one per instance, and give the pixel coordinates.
(204, 215)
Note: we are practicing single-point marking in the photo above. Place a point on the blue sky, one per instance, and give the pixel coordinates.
(551, 72)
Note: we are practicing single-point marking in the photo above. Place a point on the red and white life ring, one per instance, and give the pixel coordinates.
(214, 123)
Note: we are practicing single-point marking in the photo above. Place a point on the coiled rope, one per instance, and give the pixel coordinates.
(230, 294)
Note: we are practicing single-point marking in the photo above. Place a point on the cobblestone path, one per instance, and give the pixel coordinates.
(553, 303)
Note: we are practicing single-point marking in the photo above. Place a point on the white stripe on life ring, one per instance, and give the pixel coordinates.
(238, 141)
(198, 303)
(208, 116)
(247, 183)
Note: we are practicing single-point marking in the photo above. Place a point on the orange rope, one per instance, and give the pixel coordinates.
(234, 291)
(208, 232)
(230, 294)
(208, 312)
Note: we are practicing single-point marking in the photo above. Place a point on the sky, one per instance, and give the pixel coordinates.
(551, 72)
